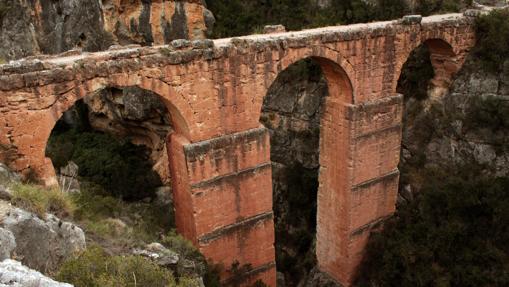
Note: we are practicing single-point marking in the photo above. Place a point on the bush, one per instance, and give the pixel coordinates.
(239, 17)
(95, 210)
(416, 74)
(182, 246)
(488, 112)
(122, 168)
(95, 268)
(455, 234)
(41, 201)
(493, 38)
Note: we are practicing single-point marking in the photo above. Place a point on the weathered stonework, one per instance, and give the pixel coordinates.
(220, 155)
(50, 27)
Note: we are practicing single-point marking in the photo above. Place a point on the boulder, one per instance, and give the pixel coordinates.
(164, 196)
(7, 244)
(272, 29)
(5, 193)
(14, 274)
(159, 254)
(42, 244)
(68, 178)
(411, 19)
(7, 176)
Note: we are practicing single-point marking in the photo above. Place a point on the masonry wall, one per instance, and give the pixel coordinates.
(220, 155)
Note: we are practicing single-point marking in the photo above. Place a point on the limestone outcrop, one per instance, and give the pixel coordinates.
(49, 27)
(137, 115)
(466, 127)
(7, 244)
(14, 274)
(219, 152)
(41, 244)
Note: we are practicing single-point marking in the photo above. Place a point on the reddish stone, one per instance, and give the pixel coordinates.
(219, 155)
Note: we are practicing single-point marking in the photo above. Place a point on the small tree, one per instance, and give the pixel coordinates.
(493, 38)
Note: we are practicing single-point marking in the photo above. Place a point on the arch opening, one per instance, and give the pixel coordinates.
(424, 82)
(136, 122)
(109, 153)
(297, 111)
(430, 67)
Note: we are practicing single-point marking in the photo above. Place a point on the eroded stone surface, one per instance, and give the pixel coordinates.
(219, 154)
(49, 27)
(14, 274)
(41, 244)
(7, 244)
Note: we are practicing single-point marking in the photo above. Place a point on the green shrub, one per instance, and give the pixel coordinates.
(42, 200)
(430, 7)
(122, 168)
(96, 209)
(454, 234)
(239, 17)
(488, 112)
(493, 38)
(182, 246)
(95, 268)
(416, 74)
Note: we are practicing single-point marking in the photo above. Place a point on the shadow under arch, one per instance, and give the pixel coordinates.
(174, 105)
(181, 133)
(333, 149)
(446, 62)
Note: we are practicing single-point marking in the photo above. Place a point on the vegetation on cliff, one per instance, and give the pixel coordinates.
(455, 231)
(493, 38)
(95, 268)
(119, 166)
(454, 234)
(239, 17)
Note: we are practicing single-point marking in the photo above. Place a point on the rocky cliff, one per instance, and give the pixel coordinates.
(468, 127)
(49, 27)
(291, 111)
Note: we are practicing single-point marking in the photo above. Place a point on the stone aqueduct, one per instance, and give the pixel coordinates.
(219, 154)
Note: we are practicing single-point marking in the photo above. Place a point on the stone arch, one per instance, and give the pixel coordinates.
(179, 112)
(445, 59)
(176, 106)
(335, 154)
(337, 70)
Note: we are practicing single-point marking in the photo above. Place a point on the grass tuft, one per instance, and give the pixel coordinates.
(95, 268)
(40, 200)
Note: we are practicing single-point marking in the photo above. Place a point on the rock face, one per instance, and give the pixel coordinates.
(41, 244)
(49, 27)
(7, 176)
(292, 111)
(319, 279)
(224, 200)
(7, 244)
(14, 274)
(136, 114)
(469, 126)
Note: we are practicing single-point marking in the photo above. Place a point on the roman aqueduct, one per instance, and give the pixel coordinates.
(219, 153)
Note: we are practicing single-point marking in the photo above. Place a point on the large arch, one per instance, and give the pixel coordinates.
(335, 158)
(178, 110)
(445, 58)
(181, 134)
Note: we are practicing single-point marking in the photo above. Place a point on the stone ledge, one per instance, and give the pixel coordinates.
(247, 223)
(251, 273)
(396, 127)
(217, 179)
(223, 47)
(369, 226)
(195, 150)
(374, 181)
